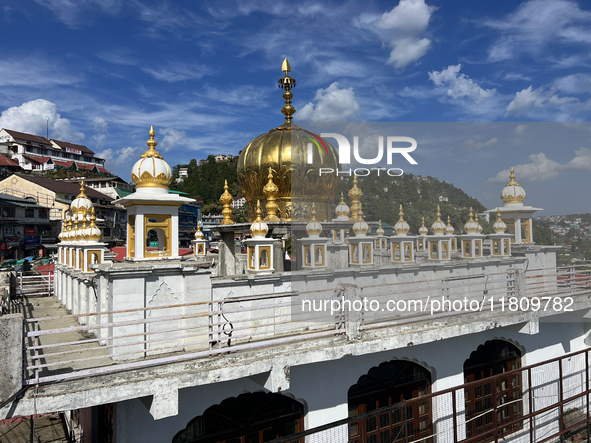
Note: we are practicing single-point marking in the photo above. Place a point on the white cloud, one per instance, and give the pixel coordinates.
(177, 71)
(520, 129)
(460, 85)
(537, 98)
(31, 117)
(119, 160)
(402, 29)
(473, 145)
(332, 104)
(70, 11)
(537, 24)
(101, 131)
(542, 168)
(33, 72)
(170, 138)
(574, 84)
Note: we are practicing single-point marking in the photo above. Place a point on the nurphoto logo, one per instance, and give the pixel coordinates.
(394, 145)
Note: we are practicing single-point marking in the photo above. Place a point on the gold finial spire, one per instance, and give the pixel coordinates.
(401, 227)
(82, 189)
(258, 228)
(423, 229)
(287, 83)
(271, 190)
(198, 233)
(449, 230)
(151, 152)
(226, 200)
(380, 231)
(439, 213)
(512, 177)
(94, 232)
(313, 228)
(285, 66)
(355, 196)
(438, 227)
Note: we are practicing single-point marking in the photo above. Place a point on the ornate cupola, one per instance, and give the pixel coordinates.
(152, 212)
(422, 238)
(500, 242)
(260, 248)
(513, 194)
(360, 246)
(151, 171)
(294, 158)
(314, 246)
(439, 244)
(402, 244)
(355, 195)
(515, 214)
(81, 246)
(200, 242)
(342, 212)
(438, 227)
(381, 241)
(473, 239)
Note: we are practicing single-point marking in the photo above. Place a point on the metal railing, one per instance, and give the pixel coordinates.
(34, 284)
(69, 346)
(552, 405)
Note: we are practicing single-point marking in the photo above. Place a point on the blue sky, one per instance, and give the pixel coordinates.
(205, 75)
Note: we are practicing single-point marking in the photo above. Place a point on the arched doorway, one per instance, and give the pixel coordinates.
(249, 418)
(389, 384)
(495, 357)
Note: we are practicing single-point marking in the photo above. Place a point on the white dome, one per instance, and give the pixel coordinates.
(513, 194)
(342, 211)
(499, 226)
(438, 227)
(423, 229)
(151, 171)
(449, 229)
(471, 226)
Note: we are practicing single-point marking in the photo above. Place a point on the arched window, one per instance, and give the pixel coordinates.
(388, 384)
(249, 418)
(493, 358)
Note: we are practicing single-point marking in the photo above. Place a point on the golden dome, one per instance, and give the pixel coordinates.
(513, 192)
(499, 226)
(438, 227)
(313, 228)
(449, 229)
(360, 227)
(423, 229)
(259, 228)
(342, 210)
(285, 150)
(402, 226)
(63, 233)
(92, 233)
(471, 226)
(380, 231)
(198, 234)
(151, 170)
(478, 223)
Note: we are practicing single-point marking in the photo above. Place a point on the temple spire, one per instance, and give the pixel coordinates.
(287, 83)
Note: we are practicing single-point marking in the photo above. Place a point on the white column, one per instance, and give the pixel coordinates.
(517, 230)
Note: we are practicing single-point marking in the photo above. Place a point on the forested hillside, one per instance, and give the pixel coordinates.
(382, 195)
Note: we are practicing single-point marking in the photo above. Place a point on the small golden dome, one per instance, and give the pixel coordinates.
(449, 229)
(477, 220)
(380, 231)
(285, 150)
(513, 192)
(313, 228)
(355, 195)
(342, 210)
(471, 226)
(62, 234)
(360, 227)
(198, 234)
(94, 233)
(438, 227)
(499, 226)
(401, 227)
(226, 199)
(423, 229)
(259, 228)
(151, 171)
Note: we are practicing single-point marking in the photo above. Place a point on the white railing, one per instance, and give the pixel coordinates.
(73, 346)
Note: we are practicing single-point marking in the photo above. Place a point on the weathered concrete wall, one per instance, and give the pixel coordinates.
(11, 355)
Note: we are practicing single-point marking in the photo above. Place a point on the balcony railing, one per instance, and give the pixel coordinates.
(126, 339)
